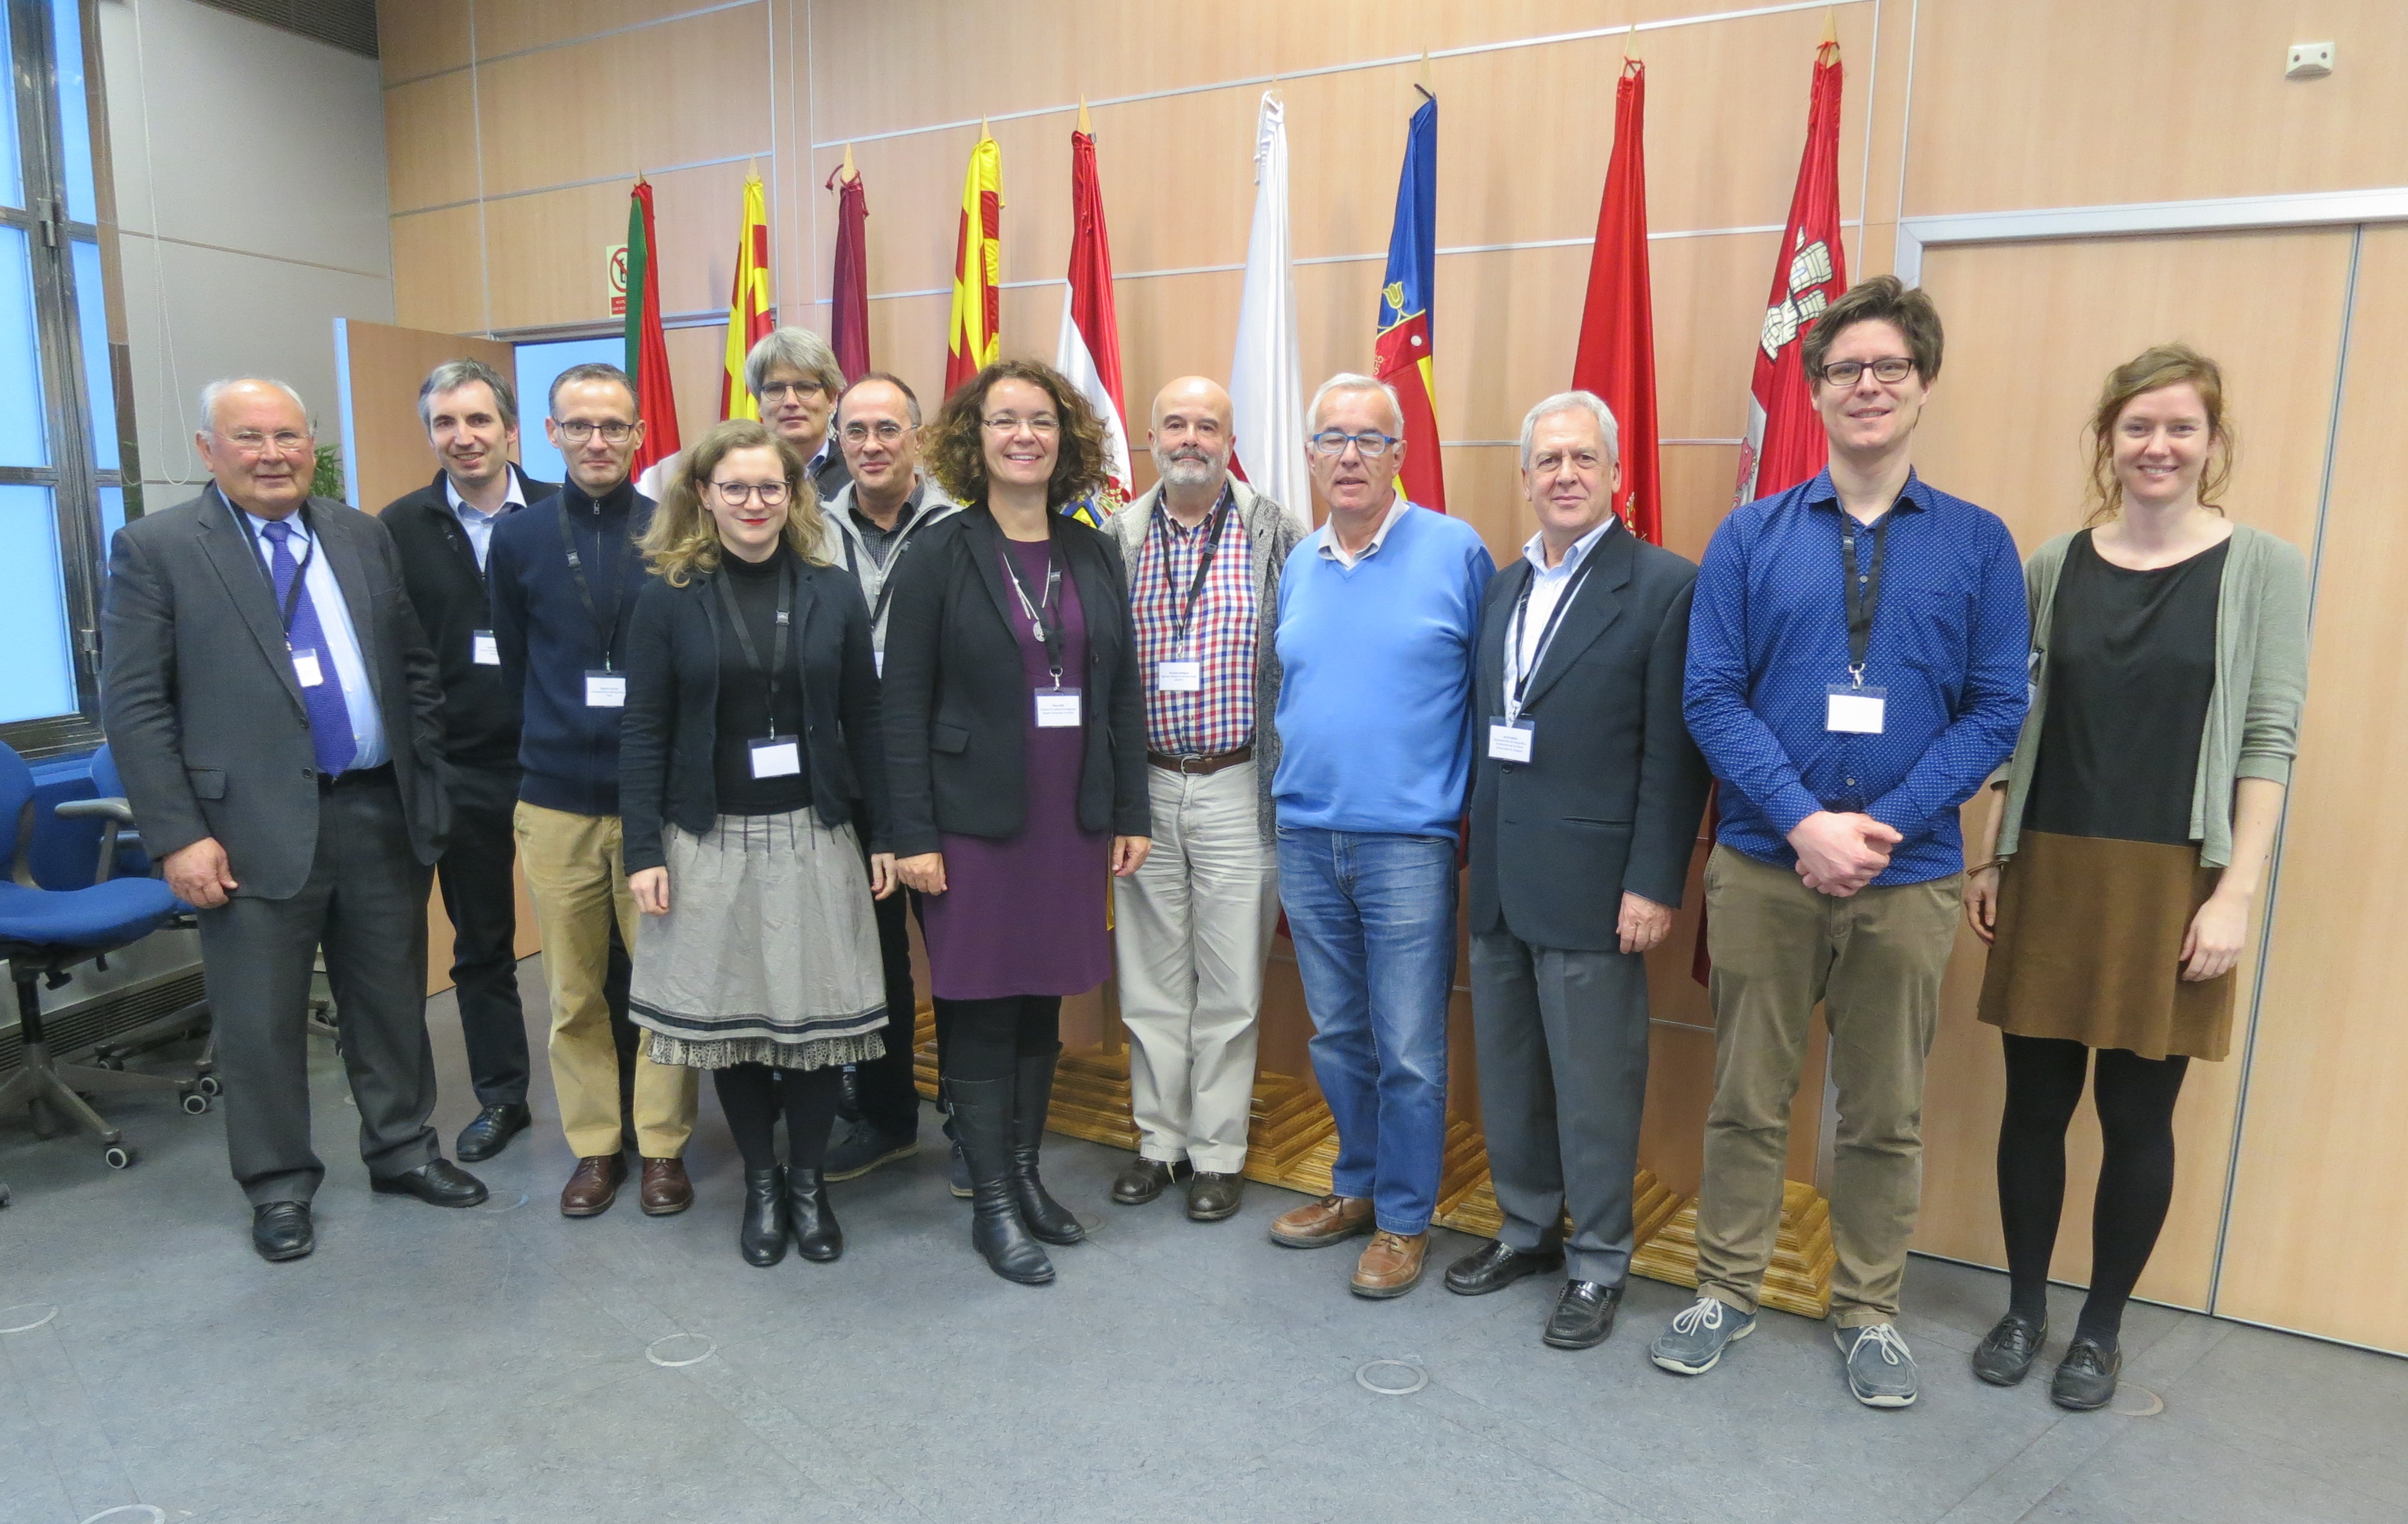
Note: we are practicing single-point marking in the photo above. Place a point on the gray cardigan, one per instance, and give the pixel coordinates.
(2253, 712)
(1271, 532)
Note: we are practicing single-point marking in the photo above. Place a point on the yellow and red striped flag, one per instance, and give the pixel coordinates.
(748, 318)
(975, 338)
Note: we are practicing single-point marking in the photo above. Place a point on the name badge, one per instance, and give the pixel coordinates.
(483, 649)
(606, 690)
(1855, 712)
(780, 757)
(306, 669)
(1179, 676)
(1058, 709)
(1509, 741)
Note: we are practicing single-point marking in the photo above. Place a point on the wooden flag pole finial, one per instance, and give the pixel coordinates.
(1422, 81)
(1831, 27)
(983, 133)
(1085, 126)
(849, 172)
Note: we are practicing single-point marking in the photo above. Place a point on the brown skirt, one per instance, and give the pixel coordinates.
(2089, 948)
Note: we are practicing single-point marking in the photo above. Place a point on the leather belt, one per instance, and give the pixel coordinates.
(1201, 766)
(357, 778)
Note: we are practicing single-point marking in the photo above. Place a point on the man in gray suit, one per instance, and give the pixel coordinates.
(1586, 793)
(274, 711)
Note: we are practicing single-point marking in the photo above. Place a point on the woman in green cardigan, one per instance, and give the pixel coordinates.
(2130, 837)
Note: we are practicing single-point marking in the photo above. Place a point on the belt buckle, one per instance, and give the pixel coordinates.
(1189, 762)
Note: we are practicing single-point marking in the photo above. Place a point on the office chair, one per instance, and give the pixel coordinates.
(43, 934)
(122, 851)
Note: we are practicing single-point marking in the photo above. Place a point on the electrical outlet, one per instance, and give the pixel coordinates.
(2310, 61)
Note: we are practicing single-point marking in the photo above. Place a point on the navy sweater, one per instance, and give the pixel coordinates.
(548, 640)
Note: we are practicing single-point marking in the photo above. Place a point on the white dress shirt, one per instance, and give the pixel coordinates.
(1548, 585)
(1329, 532)
(342, 641)
(479, 525)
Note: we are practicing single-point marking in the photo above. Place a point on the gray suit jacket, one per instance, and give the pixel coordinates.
(204, 717)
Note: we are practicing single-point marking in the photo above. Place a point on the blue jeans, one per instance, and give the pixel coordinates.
(1373, 920)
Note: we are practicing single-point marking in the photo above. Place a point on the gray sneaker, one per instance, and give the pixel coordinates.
(1881, 1369)
(1695, 1340)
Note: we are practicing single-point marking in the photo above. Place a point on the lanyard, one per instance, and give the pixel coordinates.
(1522, 675)
(607, 633)
(744, 636)
(1044, 617)
(300, 572)
(913, 519)
(1186, 610)
(1864, 593)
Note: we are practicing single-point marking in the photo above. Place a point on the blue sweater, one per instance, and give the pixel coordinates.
(1375, 720)
(549, 642)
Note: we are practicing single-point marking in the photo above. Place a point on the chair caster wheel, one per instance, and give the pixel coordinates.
(111, 1061)
(211, 1086)
(118, 1155)
(195, 1103)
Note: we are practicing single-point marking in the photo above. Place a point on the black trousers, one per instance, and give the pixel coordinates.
(364, 903)
(480, 897)
(889, 1100)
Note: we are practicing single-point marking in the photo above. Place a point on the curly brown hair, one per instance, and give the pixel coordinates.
(2154, 370)
(957, 447)
(683, 539)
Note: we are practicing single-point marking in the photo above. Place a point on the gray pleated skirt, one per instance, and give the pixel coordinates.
(769, 951)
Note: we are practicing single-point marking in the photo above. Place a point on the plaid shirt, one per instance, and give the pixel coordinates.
(1219, 634)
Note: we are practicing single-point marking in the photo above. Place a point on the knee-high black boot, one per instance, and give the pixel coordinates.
(1032, 1094)
(983, 1115)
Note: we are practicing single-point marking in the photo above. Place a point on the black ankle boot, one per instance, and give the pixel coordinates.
(982, 1117)
(763, 1233)
(1032, 1094)
(816, 1233)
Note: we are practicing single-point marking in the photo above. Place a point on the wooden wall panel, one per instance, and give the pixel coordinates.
(387, 364)
(430, 141)
(546, 251)
(439, 277)
(511, 26)
(421, 38)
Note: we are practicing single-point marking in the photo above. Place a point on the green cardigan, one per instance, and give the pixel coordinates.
(2253, 712)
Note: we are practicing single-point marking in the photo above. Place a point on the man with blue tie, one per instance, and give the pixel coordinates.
(273, 708)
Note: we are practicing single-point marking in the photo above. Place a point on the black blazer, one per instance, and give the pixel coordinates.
(957, 708)
(1611, 795)
(670, 732)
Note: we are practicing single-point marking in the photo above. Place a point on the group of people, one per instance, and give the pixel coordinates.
(853, 666)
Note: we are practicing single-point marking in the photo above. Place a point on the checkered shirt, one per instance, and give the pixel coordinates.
(1221, 633)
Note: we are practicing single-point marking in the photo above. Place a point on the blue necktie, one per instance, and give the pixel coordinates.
(330, 718)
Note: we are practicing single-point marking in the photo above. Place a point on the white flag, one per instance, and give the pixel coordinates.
(1266, 376)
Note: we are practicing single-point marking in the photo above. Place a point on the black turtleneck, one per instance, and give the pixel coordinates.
(743, 715)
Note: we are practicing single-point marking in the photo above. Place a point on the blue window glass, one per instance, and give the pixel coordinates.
(23, 439)
(112, 519)
(12, 188)
(37, 681)
(92, 323)
(536, 365)
(75, 112)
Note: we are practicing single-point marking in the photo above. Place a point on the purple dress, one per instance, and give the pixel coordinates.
(1025, 915)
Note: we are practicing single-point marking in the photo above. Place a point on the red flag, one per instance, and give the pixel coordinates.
(1089, 353)
(973, 336)
(1616, 359)
(849, 328)
(1784, 442)
(1403, 352)
(648, 348)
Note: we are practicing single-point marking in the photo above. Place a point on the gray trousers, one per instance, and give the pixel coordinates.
(365, 902)
(1563, 1077)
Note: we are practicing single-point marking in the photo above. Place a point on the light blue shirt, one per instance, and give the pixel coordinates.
(326, 594)
(479, 525)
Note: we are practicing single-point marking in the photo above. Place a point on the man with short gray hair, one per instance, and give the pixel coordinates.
(795, 381)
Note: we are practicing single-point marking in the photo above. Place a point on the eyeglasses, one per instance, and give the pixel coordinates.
(768, 494)
(1041, 426)
(577, 431)
(801, 391)
(885, 433)
(1848, 372)
(1371, 446)
(252, 442)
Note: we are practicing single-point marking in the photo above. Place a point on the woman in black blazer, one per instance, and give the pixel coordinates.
(750, 769)
(1015, 753)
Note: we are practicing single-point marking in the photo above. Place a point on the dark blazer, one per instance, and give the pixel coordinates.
(956, 703)
(1611, 796)
(438, 566)
(670, 732)
(204, 717)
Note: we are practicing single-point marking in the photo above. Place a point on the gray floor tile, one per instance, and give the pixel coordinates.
(2158, 1473)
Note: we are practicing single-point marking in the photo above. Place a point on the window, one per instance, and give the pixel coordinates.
(538, 366)
(63, 465)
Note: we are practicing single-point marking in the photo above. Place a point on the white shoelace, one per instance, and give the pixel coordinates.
(1703, 1313)
(1893, 1347)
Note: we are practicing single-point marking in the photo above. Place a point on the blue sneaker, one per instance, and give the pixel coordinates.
(1695, 1339)
(1881, 1371)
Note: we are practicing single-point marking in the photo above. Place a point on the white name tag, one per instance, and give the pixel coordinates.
(1179, 676)
(483, 649)
(1058, 709)
(306, 669)
(1509, 741)
(779, 759)
(1855, 711)
(606, 690)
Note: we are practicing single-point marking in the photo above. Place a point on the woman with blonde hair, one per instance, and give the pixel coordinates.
(749, 764)
(2130, 837)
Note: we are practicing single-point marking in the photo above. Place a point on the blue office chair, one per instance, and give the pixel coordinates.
(44, 933)
(123, 854)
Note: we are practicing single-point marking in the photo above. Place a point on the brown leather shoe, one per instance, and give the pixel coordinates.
(1391, 1265)
(1317, 1224)
(595, 1185)
(1213, 1197)
(666, 1190)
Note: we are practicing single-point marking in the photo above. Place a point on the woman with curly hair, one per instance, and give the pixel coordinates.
(749, 759)
(1015, 753)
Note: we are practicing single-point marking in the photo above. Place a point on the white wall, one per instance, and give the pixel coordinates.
(251, 203)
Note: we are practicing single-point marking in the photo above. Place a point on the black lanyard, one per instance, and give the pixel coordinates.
(1183, 612)
(1864, 592)
(607, 633)
(300, 572)
(1044, 615)
(1522, 675)
(887, 567)
(744, 636)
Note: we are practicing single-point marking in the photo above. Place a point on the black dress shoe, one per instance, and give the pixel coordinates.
(2006, 1354)
(1582, 1317)
(1145, 1179)
(491, 1132)
(1213, 1197)
(810, 1216)
(761, 1233)
(281, 1230)
(2085, 1378)
(1495, 1265)
(436, 1182)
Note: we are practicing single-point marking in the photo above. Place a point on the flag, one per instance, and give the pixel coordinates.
(1266, 376)
(1403, 348)
(1616, 359)
(748, 315)
(973, 341)
(1784, 442)
(849, 327)
(1089, 355)
(648, 350)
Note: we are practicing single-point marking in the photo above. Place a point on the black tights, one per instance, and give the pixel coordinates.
(752, 1095)
(2135, 1099)
(984, 1040)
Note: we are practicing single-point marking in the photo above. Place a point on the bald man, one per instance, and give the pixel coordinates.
(1193, 924)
